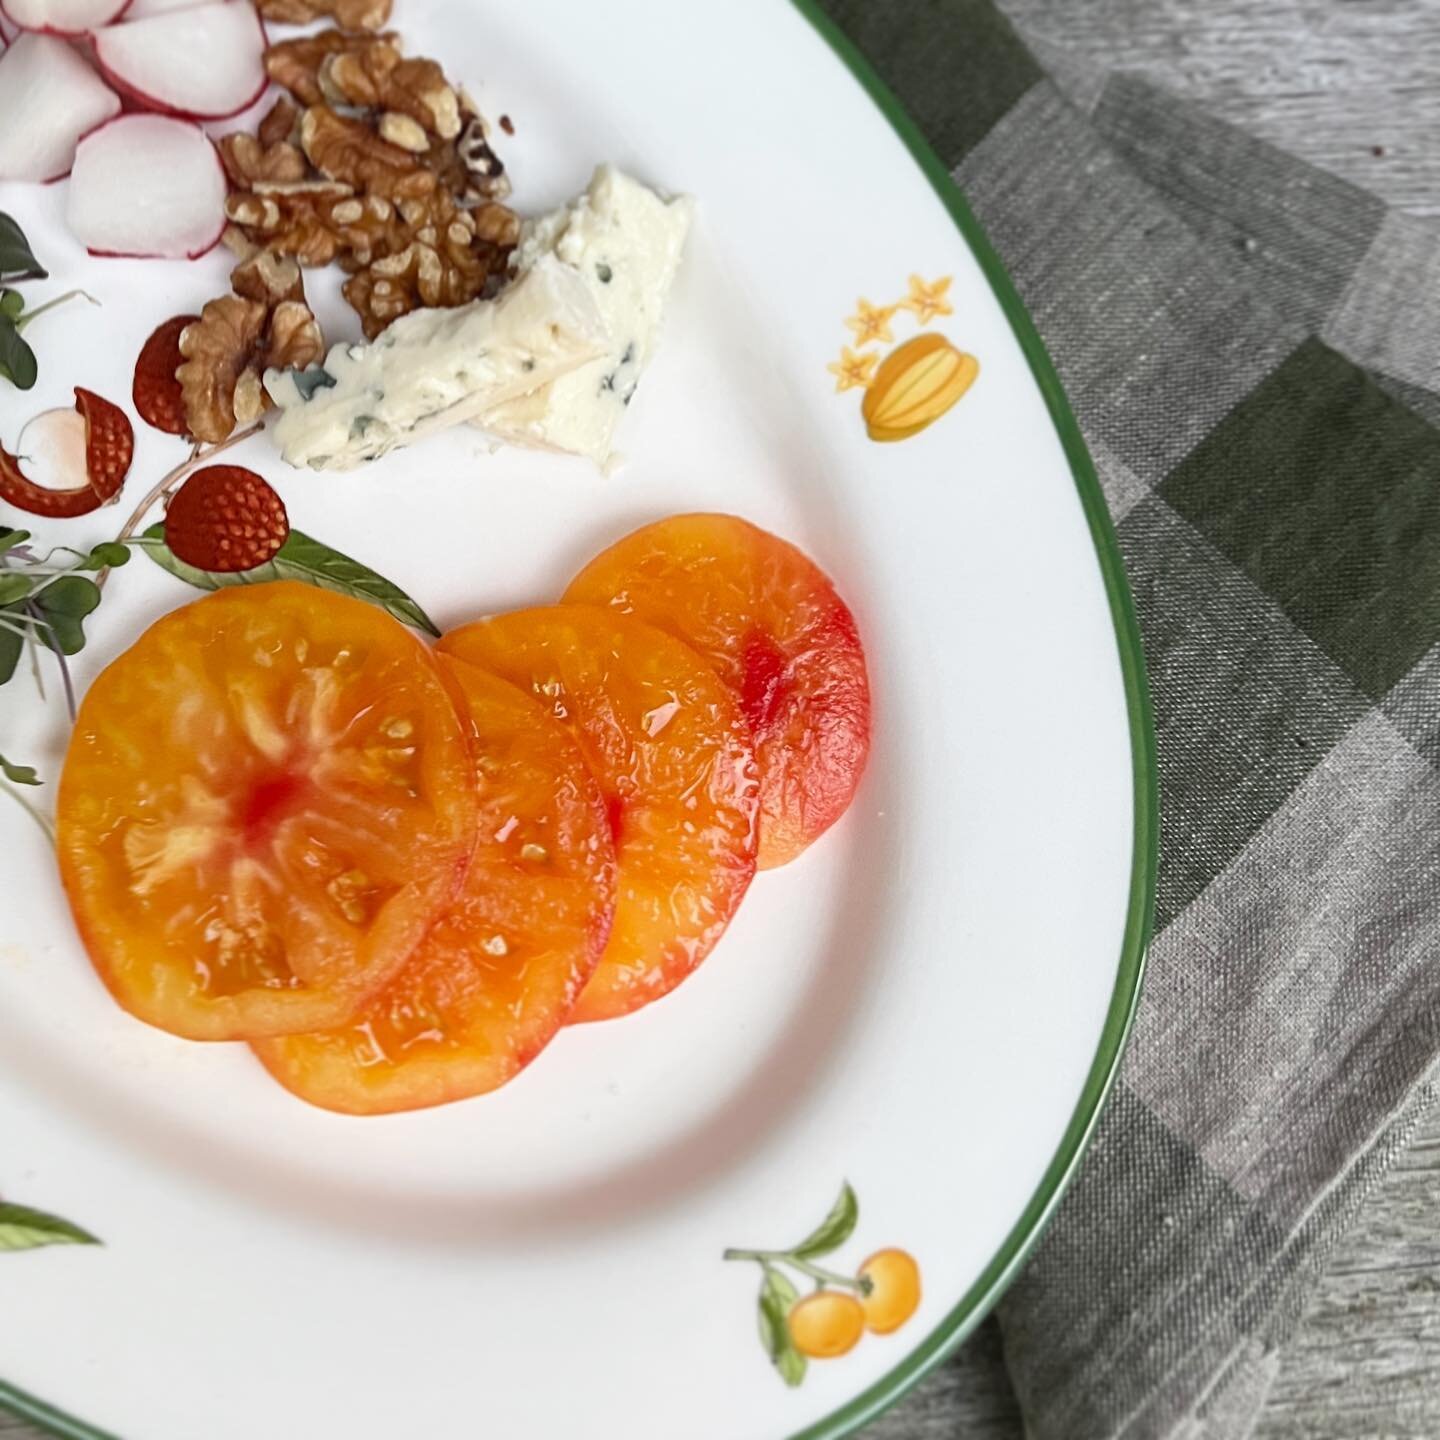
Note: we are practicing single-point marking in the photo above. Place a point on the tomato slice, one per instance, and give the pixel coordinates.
(266, 802)
(770, 622)
(501, 969)
(673, 758)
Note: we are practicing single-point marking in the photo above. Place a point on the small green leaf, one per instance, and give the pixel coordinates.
(17, 260)
(304, 559)
(834, 1230)
(108, 553)
(12, 302)
(777, 1295)
(18, 774)
(14, 587)
(65, 604)
(12, 646)
(22, 1228)
(17, 359)
(9, 538)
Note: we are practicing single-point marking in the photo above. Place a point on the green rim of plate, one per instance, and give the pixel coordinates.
(980, 1299)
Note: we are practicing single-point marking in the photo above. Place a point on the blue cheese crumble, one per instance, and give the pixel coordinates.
(624, 242)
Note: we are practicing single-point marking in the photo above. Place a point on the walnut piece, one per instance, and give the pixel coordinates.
(295, 64)
(447, 262)
(279, 123)
(248, 160)
(404, 131)
(378, 77)
(351, 152)
(348, 14)
(481, 164)
(228, 349)
(218, 348)
(268, 278)
(320, 224)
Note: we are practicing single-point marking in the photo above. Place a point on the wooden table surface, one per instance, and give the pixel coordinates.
(1331, 80)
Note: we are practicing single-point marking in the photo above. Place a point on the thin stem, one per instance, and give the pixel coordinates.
(35, 670)
(60, 660)
(28, 315)
(169, 482)
(815, 1272)
(41, 820)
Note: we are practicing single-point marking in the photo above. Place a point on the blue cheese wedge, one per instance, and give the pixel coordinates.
(436, 368)
(624, 242)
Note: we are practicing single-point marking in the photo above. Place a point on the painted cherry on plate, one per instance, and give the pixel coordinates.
(267, 801)
(771, 623)
(671, 752)
(498, 974)
(159, 399)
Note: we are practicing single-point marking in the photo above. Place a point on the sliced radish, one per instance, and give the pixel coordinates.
(206, 63)
(147, 185)
(145, 9)
(8, 31)
(62, 17)
(60, 97)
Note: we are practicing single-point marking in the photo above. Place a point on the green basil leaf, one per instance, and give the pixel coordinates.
(65, 604)
(14, 586)
(17, 359)
(22, 1228)
(18, 774)
(304, 559)
(17, 260)
(12, 304)
(12, 646)
(108, 553)
(834, 1230)
(9, 538)
(777, 1295)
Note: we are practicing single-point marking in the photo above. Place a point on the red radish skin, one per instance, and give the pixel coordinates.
(85, 15)
(180, 44)
(62, 98)
(145, 9)
(133, 155)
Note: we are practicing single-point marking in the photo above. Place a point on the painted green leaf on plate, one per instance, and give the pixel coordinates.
(304, 559)
(777, 1295)
(22, 1228)
(834, 1230)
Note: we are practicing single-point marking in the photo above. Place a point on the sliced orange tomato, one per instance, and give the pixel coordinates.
(770, 622)
(672, 754)
(267, 801)
(500, 971)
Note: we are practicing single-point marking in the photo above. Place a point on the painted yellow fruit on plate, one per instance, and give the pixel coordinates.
(915, 385)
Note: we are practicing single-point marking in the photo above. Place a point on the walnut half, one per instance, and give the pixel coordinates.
(351, 152)
(236, 338)
(348, 14)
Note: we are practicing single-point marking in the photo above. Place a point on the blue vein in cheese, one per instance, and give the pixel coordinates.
(436, 368)
(624, 242)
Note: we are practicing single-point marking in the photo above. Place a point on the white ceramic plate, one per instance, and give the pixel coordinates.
(930, 1004)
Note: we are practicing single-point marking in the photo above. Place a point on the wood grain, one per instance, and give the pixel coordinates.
(1334, 81)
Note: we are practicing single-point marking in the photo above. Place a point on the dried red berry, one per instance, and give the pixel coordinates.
(226, 518)
(156, 392)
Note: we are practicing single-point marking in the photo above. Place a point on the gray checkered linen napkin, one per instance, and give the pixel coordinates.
(1252, 348)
